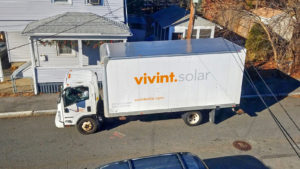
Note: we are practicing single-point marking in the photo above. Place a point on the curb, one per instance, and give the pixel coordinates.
(53, 111)
(27, 113)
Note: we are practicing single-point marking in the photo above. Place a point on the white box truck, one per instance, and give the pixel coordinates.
(154, 77)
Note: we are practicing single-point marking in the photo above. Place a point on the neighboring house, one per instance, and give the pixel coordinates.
(160, 3)
(172, 23)
(280, 22)
(138, 26)
(54, 36)
(241, 22)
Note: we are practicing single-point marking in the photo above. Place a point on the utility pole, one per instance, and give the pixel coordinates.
(191, 21)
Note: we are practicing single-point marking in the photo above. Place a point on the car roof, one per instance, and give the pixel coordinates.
(163, 161)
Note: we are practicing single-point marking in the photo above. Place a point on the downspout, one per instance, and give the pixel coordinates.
(125, 12)
(33, 66)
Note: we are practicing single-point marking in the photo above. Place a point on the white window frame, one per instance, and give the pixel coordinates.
(69, 2)
(100, 3)
(73, 53)
(211, 31)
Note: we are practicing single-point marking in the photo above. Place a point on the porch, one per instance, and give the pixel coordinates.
(70, 41)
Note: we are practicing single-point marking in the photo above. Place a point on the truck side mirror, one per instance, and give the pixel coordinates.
(66, 110)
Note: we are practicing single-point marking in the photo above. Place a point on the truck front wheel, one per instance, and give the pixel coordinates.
(192, 118)
(87, 125)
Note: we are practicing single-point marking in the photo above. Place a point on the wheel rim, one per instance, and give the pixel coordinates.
(87, 126)
(193, 118)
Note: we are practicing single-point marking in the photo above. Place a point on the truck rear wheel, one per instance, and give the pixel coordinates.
(192, 118)
(87, 125)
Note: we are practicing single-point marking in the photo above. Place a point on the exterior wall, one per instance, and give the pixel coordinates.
(182, 29)
(53, 75)
(91, 55)
(47, 55)
(20, 52)
(52, 58)
(15, 15)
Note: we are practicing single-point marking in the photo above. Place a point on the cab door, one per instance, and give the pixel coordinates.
(76, 103)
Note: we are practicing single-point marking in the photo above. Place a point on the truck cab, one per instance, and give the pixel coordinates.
(77, 102)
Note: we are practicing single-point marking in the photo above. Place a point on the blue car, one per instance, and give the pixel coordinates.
(180, 160)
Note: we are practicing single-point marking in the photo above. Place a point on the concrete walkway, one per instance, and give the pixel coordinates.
(28, 103)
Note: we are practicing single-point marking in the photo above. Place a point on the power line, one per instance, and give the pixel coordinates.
(272, 93)
(286, 134)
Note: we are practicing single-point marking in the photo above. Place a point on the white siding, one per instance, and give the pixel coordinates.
(15, 14)
(27, 72)
(53, 60)
(50, 75)
(19, 47)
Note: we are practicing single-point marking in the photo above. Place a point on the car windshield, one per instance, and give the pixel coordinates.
(159, 162)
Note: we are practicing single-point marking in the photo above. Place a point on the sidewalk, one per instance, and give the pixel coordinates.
(28, 103)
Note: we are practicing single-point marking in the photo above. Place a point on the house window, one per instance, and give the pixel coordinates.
(177, 36)
(65, 47)
(62, 1)
(94, 2)
(205, 33)
(194, 34)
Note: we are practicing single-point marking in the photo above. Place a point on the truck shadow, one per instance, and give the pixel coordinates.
(115, 122)
(278, 82)
(235, 162)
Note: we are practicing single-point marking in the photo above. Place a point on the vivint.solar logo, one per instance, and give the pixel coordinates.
(170, 78)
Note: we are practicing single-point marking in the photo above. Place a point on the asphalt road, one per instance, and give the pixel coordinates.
(36, 143)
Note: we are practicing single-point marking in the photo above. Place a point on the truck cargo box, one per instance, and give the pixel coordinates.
(171, 76)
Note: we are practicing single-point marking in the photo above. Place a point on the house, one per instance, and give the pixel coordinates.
(241, 22)
(172, 23)
(161, 3)
(138, 27)
(53, 36)
(280, 22)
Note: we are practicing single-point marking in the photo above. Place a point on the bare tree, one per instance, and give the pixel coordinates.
(281, 25)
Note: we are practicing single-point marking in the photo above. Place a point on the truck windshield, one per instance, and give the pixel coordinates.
(75, 95)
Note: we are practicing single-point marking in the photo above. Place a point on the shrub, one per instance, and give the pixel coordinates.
(257, 44)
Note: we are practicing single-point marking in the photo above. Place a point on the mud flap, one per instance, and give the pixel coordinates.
(212, 114)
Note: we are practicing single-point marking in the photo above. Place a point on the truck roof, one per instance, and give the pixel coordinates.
(77, 77)
(173, 47)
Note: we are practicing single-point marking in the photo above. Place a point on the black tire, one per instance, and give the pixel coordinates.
(193, 118)
(87, 125)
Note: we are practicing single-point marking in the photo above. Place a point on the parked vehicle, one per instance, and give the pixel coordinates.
(163, 161)
(154, 77)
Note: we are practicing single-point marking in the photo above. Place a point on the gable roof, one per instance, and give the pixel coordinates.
(175, 15)
(168, 16)
(266, 12)
(78, 24)
(199, 21)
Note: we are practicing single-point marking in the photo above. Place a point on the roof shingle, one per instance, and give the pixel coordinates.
(77, 23)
